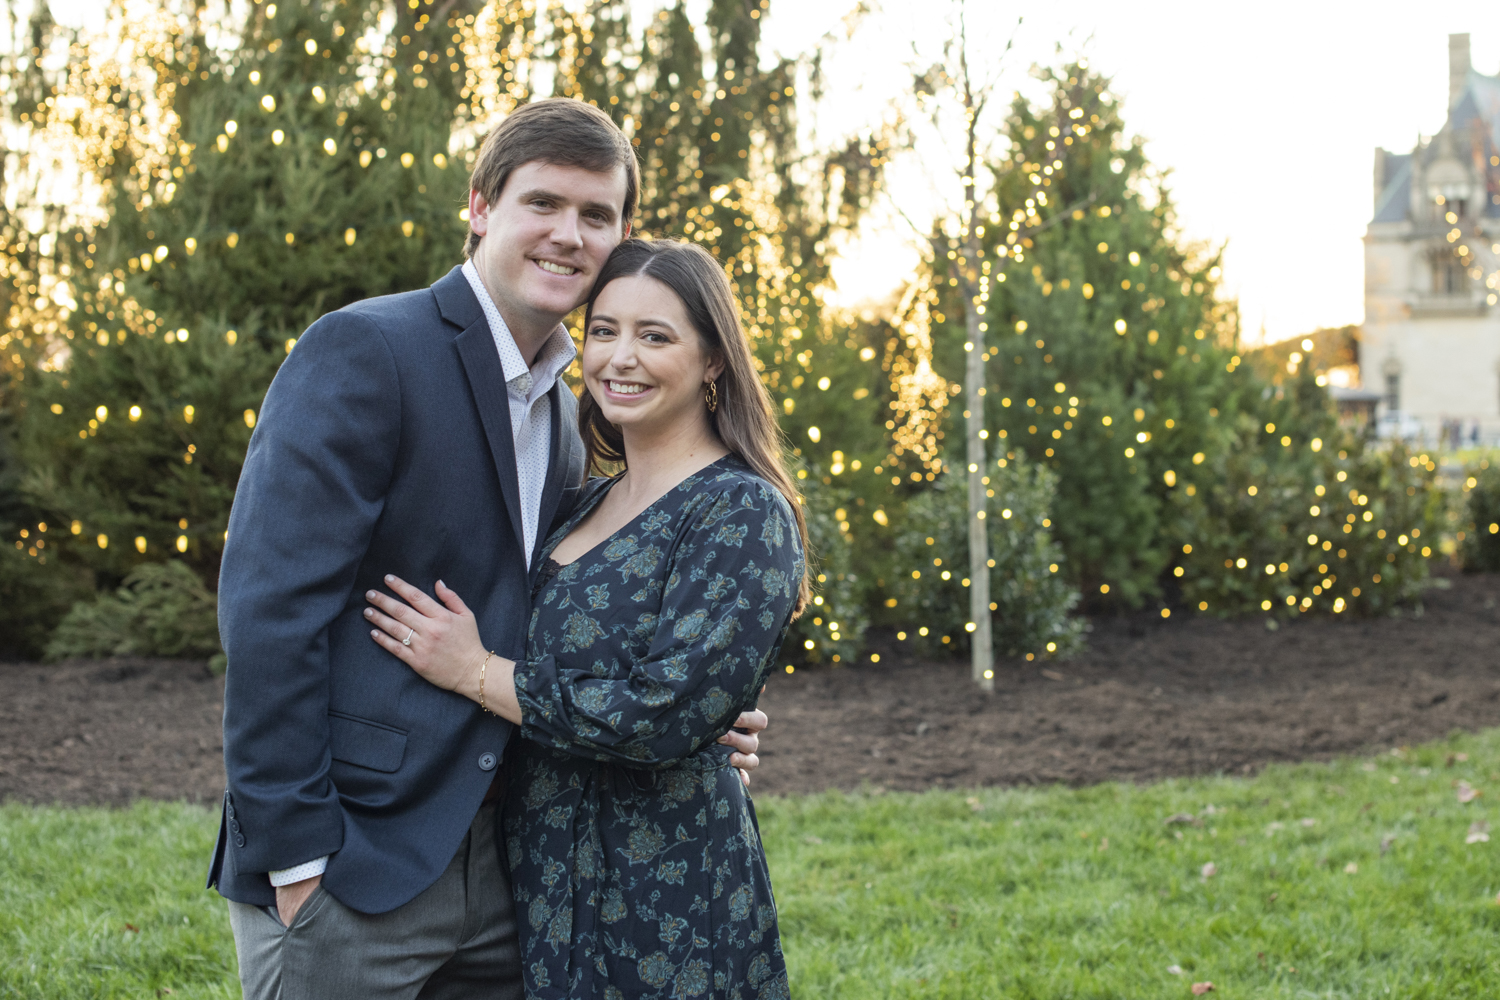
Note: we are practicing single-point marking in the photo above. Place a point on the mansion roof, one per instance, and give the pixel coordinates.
(1461, 162)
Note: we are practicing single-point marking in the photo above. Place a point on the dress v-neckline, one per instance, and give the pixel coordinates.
(593, 501)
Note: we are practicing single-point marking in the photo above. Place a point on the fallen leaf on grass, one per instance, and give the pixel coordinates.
(1351, 868)
(1181, 818)
(1176, 970)
(1461, 757)
(132, 928)
(1273, 826)
(1386, 842)
(1479, 833)
(1201, 988)
(973, 802)
(1209, 870)
(813, 839)
(1466, 792)
(1103, 843)
(1395, 779)
(1309, 821)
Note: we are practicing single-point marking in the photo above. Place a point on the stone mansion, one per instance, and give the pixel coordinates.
(1430, 344)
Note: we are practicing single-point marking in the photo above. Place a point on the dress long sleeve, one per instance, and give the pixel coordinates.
(668, 640)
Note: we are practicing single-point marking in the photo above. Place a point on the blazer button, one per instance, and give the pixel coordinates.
(487, 761)
(234, 826)
(229, 811)
(239, 840)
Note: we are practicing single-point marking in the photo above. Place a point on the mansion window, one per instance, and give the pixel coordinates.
(1449, 277)
(1393, 392)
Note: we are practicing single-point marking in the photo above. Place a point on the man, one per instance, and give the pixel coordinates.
(426, 435)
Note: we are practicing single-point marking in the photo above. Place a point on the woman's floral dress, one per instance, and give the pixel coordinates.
(633, 848)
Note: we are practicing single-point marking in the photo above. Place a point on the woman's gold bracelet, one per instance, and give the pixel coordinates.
(482, 664)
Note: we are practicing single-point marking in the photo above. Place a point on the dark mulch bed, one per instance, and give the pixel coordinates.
(111, 731)
(1148, 699)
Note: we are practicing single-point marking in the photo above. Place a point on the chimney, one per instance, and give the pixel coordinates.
(1458, 66)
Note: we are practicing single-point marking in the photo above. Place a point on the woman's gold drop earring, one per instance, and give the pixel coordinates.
(711, 396)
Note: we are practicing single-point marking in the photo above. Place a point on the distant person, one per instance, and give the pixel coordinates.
(658, 609)
(422, 434)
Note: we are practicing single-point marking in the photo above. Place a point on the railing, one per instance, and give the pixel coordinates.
(1467, 303)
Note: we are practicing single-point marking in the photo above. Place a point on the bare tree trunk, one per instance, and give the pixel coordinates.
(967, 270)
(981, 639)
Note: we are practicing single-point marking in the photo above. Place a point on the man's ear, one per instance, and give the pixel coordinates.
(479, 213)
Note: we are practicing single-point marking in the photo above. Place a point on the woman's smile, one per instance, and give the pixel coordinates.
(619, 388)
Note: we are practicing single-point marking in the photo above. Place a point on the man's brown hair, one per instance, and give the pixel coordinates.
(560, 131)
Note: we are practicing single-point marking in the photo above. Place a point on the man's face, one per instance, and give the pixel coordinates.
(545, 239)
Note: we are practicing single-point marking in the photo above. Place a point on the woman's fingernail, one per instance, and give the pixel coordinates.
(389, 578)
(369, 595)
(369, 612)
(442, 584)
(375, 633)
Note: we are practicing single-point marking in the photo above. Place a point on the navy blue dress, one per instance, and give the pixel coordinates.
(633, 848)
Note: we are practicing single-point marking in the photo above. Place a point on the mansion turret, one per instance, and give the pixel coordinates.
(1431, 336)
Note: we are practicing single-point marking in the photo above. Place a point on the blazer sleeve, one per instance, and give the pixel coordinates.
(725, 608)
(313, 486)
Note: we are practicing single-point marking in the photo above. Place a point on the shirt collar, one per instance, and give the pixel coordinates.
(557, 351)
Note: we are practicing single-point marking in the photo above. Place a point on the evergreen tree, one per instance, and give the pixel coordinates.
(1032, 599)
(322, 158)
(1115, 364)
(289, 176)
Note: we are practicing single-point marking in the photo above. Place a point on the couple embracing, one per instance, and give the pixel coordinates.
(483, 717)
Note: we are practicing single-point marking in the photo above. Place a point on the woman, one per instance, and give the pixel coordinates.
(633, 847)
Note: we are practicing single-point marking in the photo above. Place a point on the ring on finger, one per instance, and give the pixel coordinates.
(407, 640)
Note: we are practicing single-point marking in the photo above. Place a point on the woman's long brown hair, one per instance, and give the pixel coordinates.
(745, 420)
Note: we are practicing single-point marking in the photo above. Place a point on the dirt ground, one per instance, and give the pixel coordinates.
(1148, 699)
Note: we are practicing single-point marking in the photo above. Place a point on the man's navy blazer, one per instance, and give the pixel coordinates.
(384, 445)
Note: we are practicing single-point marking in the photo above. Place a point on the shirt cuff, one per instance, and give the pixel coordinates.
(305, 870)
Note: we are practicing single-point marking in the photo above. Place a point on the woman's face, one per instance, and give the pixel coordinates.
(644, 362)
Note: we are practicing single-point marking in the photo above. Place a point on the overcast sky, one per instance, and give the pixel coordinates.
(1267, 114)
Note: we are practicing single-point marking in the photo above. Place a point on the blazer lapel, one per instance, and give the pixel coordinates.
(476, 347)
(559, 466)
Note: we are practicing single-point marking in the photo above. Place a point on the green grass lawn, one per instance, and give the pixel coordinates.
(1345, 880)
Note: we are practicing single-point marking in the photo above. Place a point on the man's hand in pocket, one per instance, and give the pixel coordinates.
(289, 898)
